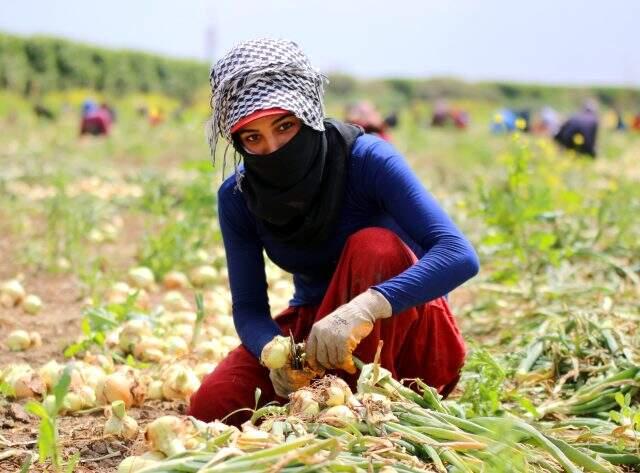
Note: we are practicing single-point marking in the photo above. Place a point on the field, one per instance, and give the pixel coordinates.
(116, 237)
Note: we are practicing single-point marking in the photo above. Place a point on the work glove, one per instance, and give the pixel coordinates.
(334, 338)
(276, 355)
(286, 380)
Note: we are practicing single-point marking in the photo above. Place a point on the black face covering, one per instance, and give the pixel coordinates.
(296, 192)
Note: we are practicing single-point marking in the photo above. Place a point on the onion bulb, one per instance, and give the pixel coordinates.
(119, 423)
(164, 435)
(175, 301)
(32, 304)
(132, 332)
(141, 277)
(175, 280)
(276, 353)
(338, 416)
(135, 463)
(18, 340)
(203, 275)
(50, 373)
(302, 403)
(117, 387)
(11, 293)
(24, 382)
(180, 383)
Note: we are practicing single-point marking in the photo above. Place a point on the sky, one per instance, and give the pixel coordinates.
(549, 41)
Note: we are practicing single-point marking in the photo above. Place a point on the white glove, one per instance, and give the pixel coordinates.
(334, 338)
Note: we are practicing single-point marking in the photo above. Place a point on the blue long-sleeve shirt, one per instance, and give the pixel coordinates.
(381, 191)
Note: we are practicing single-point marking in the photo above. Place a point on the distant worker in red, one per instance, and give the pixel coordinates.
(366, 115)
(95, 120)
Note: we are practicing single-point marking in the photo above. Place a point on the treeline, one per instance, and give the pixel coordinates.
(33, 66)
(399, 92)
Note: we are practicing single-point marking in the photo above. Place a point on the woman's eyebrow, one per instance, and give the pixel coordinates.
(283, 117)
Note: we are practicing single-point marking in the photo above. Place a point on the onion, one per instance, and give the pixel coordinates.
(50, 373)
(336, 393)
(92, 376)
(180, 317)
(116, 387)
(164, 435)
(177, 346)
(203, 369)
(119, 293)
(12, 293)
(149, 349)
(180, 383)
(18, 340)
(175, 301)
(209, 350)
(134, 464)
(141, 277)
(32, 304)
(229, 341)
(276, 353)
(203, 275)
(302, 403)
(154, 390)
(216, 303)
(119, 423)
(24, 382)
(225, 325)
(175, 280)
(132, 332)
(337, 416)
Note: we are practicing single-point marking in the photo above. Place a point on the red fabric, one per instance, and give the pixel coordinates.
(97, 122)
(422, 342)
(257, 114)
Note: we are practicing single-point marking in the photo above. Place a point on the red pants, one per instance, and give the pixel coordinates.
(422, 342)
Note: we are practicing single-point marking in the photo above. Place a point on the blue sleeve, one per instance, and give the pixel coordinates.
(245, 261)
(449, 259)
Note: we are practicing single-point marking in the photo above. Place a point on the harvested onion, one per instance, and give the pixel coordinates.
(119, 423)
(32, 304)
(165, 435)
(276, 353)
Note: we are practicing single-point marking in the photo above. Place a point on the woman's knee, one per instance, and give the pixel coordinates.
(377, 243)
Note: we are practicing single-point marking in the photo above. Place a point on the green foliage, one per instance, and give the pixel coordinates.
(36, 65)
(483, 384)
(175, 244)
(48, 436)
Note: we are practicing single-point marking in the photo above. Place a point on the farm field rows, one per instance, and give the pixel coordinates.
(113, 265)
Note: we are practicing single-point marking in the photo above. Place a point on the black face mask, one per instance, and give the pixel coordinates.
(296, 191)
(288, 165)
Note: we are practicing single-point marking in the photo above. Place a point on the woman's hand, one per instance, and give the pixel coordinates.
(334, 338)
(287, 380)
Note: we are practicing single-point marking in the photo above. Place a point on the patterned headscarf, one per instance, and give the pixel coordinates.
(261, 74)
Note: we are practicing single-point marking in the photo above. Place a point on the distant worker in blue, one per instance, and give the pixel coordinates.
(580, 131)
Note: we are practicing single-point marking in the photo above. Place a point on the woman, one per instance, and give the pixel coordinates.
(371, 252)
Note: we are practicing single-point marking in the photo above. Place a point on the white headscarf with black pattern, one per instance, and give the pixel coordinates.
(261, 74)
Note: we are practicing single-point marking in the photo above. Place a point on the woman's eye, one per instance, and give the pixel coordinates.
(285, 126)
(251, 138)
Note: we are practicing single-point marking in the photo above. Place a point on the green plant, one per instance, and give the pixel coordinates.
(48, 436)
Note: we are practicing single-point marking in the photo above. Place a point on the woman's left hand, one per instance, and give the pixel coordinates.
(334, 338)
